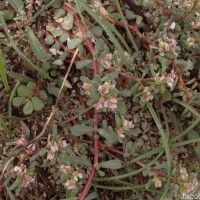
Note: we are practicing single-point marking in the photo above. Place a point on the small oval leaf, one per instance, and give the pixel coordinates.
(111, 164)
(28, 108)
(17, 101)
(23, 91)
(37, 103)
(73, 43)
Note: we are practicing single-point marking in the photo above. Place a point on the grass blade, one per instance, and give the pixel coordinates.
(3, 74)
(166, 146)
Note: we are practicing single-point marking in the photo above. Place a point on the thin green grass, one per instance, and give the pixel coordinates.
(166, 147)
(3, 74)
(19, 52)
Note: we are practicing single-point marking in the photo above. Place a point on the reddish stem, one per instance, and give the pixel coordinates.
(96, 120)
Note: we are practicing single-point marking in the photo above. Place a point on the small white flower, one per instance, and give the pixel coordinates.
(171, 78)
(53, 147)
(20, 170)
(66, 169)
(71, 185)
(76, 175)
(173, 25)
(191, 41)
(157, 182)
(87, 87)
(120, 132)
(50, 155)
(63, 143)
(128, 125)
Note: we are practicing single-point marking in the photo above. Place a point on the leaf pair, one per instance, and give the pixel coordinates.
(29, 103)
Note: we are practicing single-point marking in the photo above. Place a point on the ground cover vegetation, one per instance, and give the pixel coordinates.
(99, 99)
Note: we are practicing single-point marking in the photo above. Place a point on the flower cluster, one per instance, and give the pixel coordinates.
(21, 171)
(188, 3)
(106, 61)
(147, 96)
(127, 125)
(191, 41)
(196, 24)
(54, 147)
(170, 78)
(87, 87)
(75, 175)
(109, 102)
(189, 184)
(169, 45)
(157, 182)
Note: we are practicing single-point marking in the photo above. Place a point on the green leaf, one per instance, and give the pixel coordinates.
(49, 40)
(16, 183)
(18, 5)
(129, 15)
(97, 31)
(43, 94)
(98, 47)
(91, 196)
(111, 164)
(73, 43)
(193, 135)
(80, 160)
(23, 91)
(19, 77)
(3, 74)
(197, 149)
(83, 63)
(166, 96)
(38, 50)
(79, 129)
(108, 134)
(125, 93)
(10, 194)
(121, 108)
(59, 13)
(53, 90)
(28, 108)
(17, 101)
(37, 103)
(63, 38)
(31, 85)
(8, 15)
(68, 22)
(185, 65)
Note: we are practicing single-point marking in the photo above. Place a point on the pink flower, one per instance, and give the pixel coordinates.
(111, 103)
(170, 78)
(105, 88)
(30, 149)
(106, 62)
(147, 94)
(87, 87)
(63, 143)
(191, 41)
(50, 155)
(53, 146)
(128, 125)
(20, 170)
(27, 180)
(120, 132)
(22, 141)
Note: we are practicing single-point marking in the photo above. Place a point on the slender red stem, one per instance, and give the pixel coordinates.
(96, 120)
